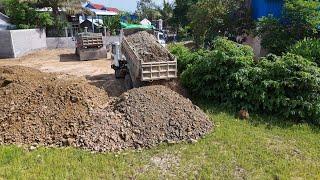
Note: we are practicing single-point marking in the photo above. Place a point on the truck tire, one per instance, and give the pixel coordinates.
(128, 81)
(117, 73)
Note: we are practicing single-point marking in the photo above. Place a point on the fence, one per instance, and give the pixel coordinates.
(16, 43)
(70, 42)
(73, 31)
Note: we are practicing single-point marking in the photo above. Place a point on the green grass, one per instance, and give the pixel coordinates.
(262, 148)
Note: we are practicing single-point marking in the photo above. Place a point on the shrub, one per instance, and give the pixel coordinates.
(185, 56)
(288, 86)
(213, 75)
(308, 48)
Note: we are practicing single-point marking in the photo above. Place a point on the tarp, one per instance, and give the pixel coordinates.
(145, 22)
(135, 26)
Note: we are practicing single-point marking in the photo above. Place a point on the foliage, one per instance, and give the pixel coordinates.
(147, 9)
(185, 56)
(70, 6)
(58, 28)
(274, 36)
(300, 19)
(212, 76)
(180, 11)
(166, 12)
(308, 48)
(211, 18)
(288, 86)
(112, 23)
(25, 17)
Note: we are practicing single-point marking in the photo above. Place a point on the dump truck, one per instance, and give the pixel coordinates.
(129, 64)
(90, 46)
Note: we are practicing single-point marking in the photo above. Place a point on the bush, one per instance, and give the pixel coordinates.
(288, 86)
(213, 75)
(185, 56)
(308, 48)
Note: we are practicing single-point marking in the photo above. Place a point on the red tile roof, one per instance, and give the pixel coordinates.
(101, 7)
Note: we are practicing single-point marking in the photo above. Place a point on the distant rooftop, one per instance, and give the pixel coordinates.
(101, 7)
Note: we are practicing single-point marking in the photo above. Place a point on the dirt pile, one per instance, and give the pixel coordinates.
(42, 108)
(147, 47)
(156, 114)
(47, 109)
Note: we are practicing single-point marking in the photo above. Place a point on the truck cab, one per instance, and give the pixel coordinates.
(160, 37)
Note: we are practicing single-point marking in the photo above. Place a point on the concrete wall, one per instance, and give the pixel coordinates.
(61, 42)
(6, 49)
(20, 42)
(70, 42)
(27, 40)
(111, 39)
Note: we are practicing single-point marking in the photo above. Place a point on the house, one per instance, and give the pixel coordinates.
(4, 22)
(95, 20)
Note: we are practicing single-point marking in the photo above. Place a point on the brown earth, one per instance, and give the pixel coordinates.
(64, 61)
(61, 110)
(147, 47)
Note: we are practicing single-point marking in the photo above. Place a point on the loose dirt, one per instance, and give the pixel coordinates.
(50, 109)
(147, 47)
(97, 72)
(162, 115)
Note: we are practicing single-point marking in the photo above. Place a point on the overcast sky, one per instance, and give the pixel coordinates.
(127, 5)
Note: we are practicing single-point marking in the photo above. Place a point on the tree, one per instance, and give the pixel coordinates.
(211, 18)
(147, 9)
(180, 11)
(71, 6)
(166, 12)
(112, 23)
(300, 19)
(24, 16)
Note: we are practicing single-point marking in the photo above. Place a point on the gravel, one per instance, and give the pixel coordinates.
(48, 109)
(147, 47)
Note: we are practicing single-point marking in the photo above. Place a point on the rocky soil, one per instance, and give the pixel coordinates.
(49, 109)
(147, 47)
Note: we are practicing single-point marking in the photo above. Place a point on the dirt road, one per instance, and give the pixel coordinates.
(97, 72)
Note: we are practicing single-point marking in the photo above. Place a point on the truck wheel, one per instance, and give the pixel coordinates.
(117, 73)
(128, 82)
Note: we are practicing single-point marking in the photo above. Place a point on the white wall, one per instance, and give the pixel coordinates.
(24, 41)
(6, 49)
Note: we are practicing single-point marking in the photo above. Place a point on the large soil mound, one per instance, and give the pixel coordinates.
(49, 109)
(42, 108)
(156, 114)
(147, 47)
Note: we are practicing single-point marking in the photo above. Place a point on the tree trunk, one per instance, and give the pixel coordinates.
(55, 11)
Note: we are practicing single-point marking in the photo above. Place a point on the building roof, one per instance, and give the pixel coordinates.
(4, 17)
(101, 7)
(4, 22)
(103, 12)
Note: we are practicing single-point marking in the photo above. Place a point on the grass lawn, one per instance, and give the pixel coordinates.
(236, 149)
